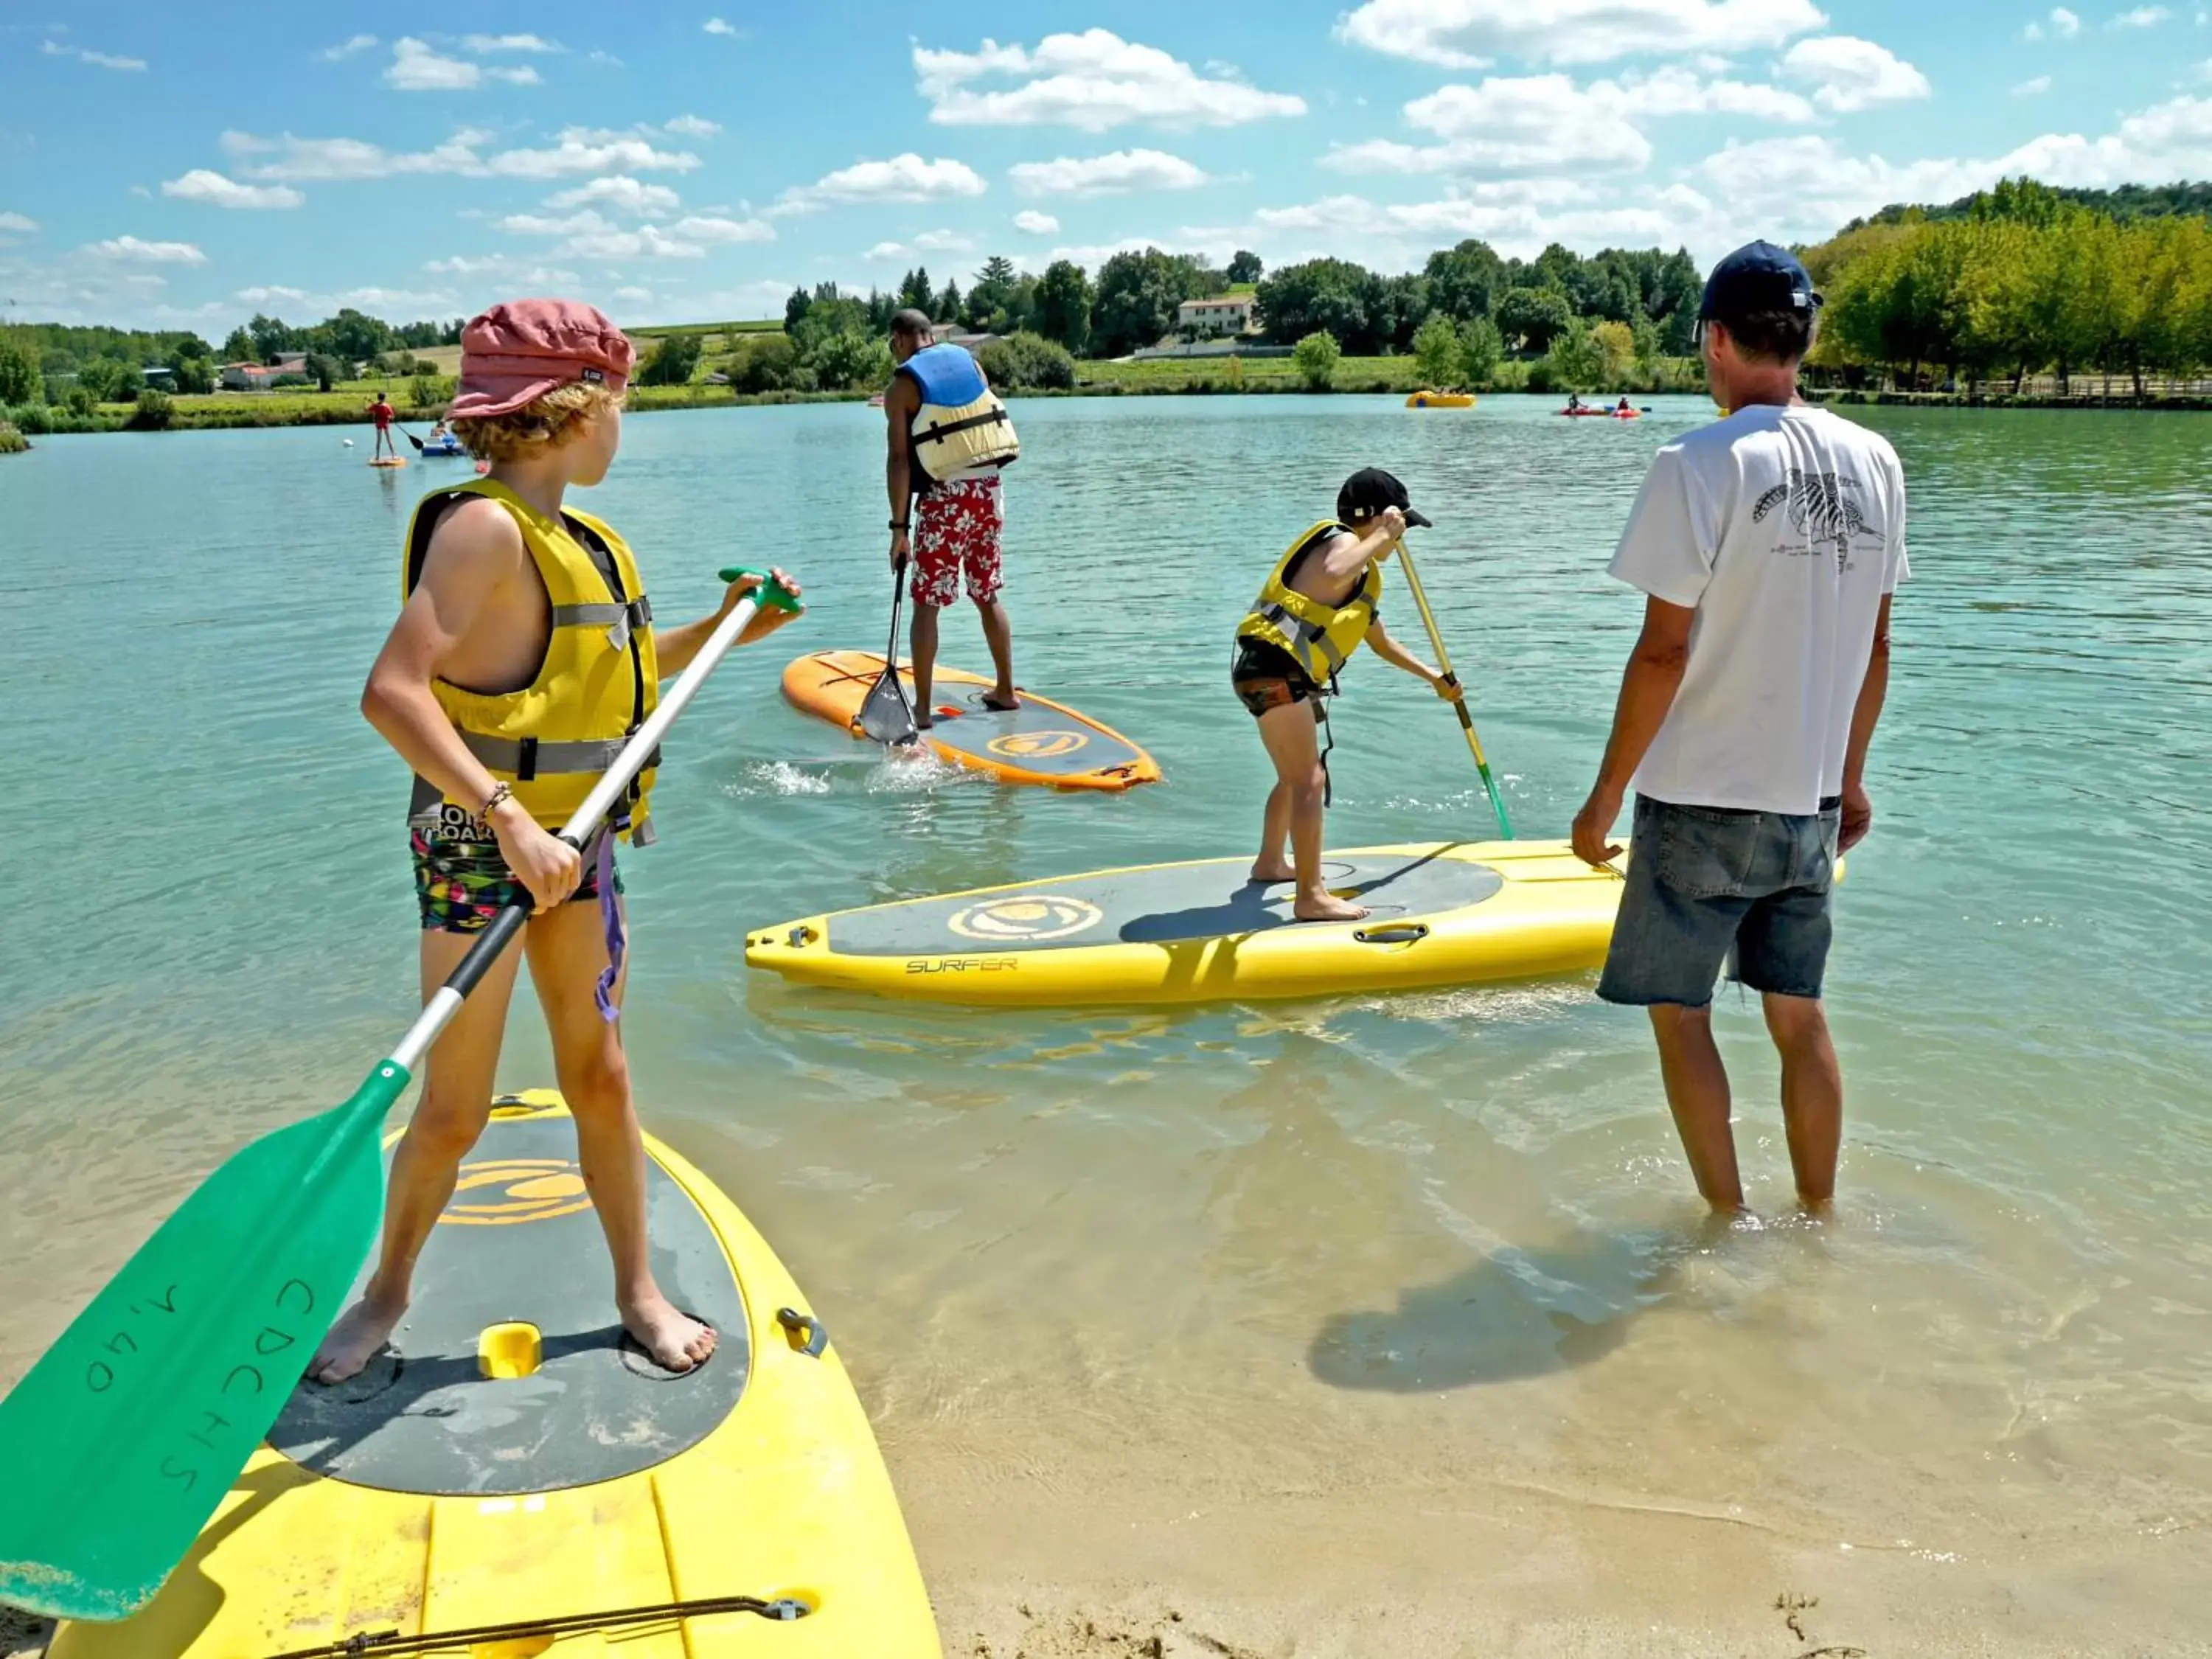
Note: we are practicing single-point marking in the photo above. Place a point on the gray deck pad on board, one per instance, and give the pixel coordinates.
(1033, 737)
(1161, 906)
(519, 1242)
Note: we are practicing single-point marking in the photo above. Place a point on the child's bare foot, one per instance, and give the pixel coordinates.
(1268, 874)
(361, 1333)
(1324, 906)
(677, 1341)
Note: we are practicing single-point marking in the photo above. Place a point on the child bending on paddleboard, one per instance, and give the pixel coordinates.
(1321, 602)
(523, 657)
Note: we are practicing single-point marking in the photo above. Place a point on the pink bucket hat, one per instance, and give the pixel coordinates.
(515, 353)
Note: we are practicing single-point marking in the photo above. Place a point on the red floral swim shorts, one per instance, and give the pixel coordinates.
(956, 528)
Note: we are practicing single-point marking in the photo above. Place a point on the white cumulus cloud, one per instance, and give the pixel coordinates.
(2142, 17)
(482, 44)
(359, 42)
(1850, 74)
(905, 178)
(589, 234)
(205, 184)
(16, 223)
(1525, 123)
(1117, 174)
(2064, 26)
(1030, 223)
(98, 60)
(1472, 33)
(2034, 87)
(692, 126)
(716, 26)
(715, 227)
(149, 253)
(583, 151)
(1094, 80)
(621, 192)
(415, 67)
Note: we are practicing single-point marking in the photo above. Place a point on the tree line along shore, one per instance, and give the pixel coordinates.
(2019, 295)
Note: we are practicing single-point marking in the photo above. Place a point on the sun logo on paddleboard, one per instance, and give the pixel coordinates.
(1031, 918)
(1037, 746)
(504, 1192)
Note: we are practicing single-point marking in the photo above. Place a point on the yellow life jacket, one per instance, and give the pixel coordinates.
(599, 680)
(1318, 637)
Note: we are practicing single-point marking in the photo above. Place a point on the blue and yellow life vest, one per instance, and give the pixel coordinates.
(961, 428)
(553, 739)
(1319, 637)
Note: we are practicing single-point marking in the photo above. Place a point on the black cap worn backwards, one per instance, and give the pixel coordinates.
(1368, 492)
(1758, 277)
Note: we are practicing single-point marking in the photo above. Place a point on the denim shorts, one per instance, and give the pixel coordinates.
(1711, 886)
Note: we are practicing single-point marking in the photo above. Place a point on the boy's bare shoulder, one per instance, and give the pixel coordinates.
(476, 534)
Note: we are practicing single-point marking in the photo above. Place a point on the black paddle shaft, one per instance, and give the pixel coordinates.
(506, 924)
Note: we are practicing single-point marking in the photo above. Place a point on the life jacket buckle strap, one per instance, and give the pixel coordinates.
(526, 760)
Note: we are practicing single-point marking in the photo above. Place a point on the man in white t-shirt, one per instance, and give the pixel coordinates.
(1768, 546)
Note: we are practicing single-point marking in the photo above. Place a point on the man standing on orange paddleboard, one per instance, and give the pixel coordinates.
(948, 437)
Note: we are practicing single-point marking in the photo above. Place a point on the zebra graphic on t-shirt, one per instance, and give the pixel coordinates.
(1818, 508)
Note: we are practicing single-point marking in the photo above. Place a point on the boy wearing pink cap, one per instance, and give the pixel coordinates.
(523, 659)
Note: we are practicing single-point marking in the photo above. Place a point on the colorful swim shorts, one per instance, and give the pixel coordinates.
(955, 531)
(462, 885)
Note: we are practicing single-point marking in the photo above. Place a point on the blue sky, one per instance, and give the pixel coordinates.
(168, 167)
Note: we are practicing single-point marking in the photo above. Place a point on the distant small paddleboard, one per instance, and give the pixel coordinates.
(1043, 742)
(388, 461)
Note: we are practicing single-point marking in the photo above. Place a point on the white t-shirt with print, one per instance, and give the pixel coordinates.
(1783, 527)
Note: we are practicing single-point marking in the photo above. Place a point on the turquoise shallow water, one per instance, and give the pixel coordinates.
(1291, 1238)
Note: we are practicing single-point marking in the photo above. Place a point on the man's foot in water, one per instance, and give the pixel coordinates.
(1324, 906)
(677, 1341)
(358, 1338)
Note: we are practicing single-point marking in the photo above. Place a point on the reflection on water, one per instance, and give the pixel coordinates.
(1449, 1231)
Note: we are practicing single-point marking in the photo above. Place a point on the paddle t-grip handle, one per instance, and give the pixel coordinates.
(771, 593)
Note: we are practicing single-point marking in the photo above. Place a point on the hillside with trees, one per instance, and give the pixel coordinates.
(2023, 280)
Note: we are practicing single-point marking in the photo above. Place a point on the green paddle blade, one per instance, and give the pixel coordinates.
(122, 1440)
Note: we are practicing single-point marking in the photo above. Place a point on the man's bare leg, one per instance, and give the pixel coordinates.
(567, 952)
(450, 1117)
(1697, 1093)
(924, 643)
(1812, 1095)
(998, 635)
(1293, 745)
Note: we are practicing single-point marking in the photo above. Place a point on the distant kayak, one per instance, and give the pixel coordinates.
(1602, 414)
(442, 451)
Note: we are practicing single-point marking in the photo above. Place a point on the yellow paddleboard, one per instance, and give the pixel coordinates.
(1440, 914)
(512, 1461)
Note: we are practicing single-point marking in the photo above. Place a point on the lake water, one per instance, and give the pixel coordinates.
(1411, 1256)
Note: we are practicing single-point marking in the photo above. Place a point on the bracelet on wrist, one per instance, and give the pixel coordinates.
(500, 796)
(902, 524)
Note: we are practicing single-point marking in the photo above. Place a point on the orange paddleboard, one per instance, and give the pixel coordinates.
(1041, 742)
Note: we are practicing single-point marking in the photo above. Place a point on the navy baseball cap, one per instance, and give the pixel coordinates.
(1367, 492)
(1758, 277)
